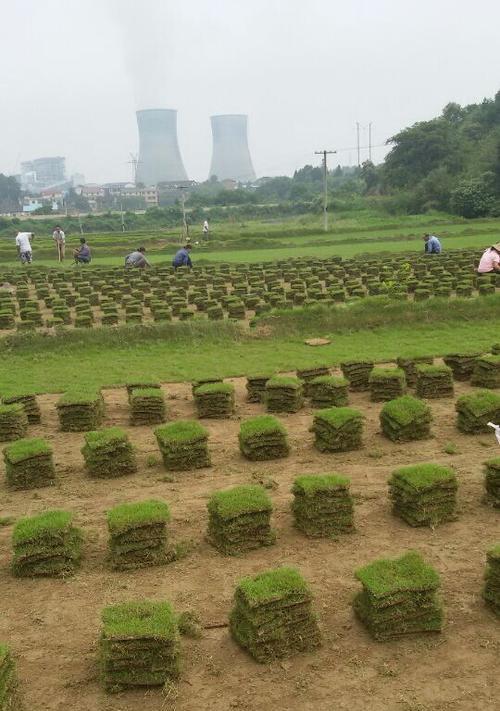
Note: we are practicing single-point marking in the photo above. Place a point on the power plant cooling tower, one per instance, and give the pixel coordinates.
(159, 155)
(231, 157)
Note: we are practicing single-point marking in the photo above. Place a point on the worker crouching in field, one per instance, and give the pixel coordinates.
(182, 258)
(137, 259)
(432, 244)
(490, 261)
(82, 253)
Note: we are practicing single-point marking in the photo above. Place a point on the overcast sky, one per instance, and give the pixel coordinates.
(73, 72)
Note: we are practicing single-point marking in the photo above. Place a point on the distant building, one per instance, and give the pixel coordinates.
(77, 179)
(43, 173)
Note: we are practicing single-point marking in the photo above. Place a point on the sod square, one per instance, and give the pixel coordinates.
(338, 429)
(462, 364)
(29, 464)
(108, 453)
(406, 419)
(13, 422)
(386, 384)
(30, 404)
(256, 387)
(434, 381)
(486, 373)
(357, 373)
(9, 697)
(183, 445)
(424, 494)
(141, 385)
(322, 505)
(492, 481)
(476, 409)
(80, 410)
(214, 400)
(329, 391)
(147, 406)
(284, 394)
(205, 381)
(491, 590)
(139, 645)
(262, 438)
(138, 534)
(308, 374)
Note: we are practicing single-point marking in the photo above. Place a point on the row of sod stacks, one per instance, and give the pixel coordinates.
(263, 437)
(424, 494)
(29, 464)
(357, 373)
(284, 394)
(399, 597)
(214, 400)
(139, 645)
(8, 681)
(491, 592)
(434, 381)
(322, 505)
(80, 410)
(310, 374)
(337, 429)
(47, 544)
(474, 411)
(108, 453)
(487, 372)
(462, 364)
(272, 616)
(240, 519)
(409, 366)
(138, 534)
(256, 387)
(328, 391)
(147, 406)
(492, 481)
(13, 422)
(183, 445)
(386, 384)
(406, 419)
(30, 404)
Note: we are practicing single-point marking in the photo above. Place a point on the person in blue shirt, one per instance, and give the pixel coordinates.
(182, 258)
(432, 244)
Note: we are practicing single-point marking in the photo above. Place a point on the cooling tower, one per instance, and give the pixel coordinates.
(159, 155)
(231, 157)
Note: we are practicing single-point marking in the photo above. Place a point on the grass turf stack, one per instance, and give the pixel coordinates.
(143, 385)
(183, 445)
(147, 406)
(322, 505)
(386, 384)
(357, 373)
(239, 519)
(9, 699)
(29, 464)
(491, 591)
(406, 419)
(487, 372)
(256, 387)
(80, 410)
(409, 366)
(13, 422)
(310, 374)
(424, 494)
(47, 544)
(262, 438)
(462, 364)
(214, 400)
(475, 410)
(434, 381)
(492, 482)
(399, 597)
(138, 534)
(284, 394)
(329, 391)
(30, 405)
(272, 616)
(108, 453)
(139, 645)
(337, 429)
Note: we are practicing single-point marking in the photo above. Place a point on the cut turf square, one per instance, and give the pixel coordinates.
(328, 391)
(476, 409)
(138, 534)
(405, 419)
(284, 394)
(29, 464)
(108, 453)
(424, 494)
(386, 384)
(263, 437)
(183, 445)
(13, 422)
(338, 429)
(80, 410)
(147, 406)
(214, 400)
(322, 505)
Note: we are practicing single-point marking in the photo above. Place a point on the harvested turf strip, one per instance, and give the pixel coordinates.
(205, 381)
(386, 384)
(272, 616)
(144, 385)
(239, 519)
(486, 372)
(80, 410)
(139, 645)
(357, 373)
(310, 374)
(462, 364)
(475, 410)
(492, 481)
(322, 505)
(183, 445)
(30, 404)
(214, 400)
(284, 394)
(147, 406)
(9, 699)
(424, 494)
(256, 387)
(328, 391)
(263, 437)
(399, 597)
(409, 366)
(13, 422)
(138, 534)
(108, 453)
(491, 591)
(47, 544)
(338, 429)
(405, 419)
(434, 381)
(29, 464)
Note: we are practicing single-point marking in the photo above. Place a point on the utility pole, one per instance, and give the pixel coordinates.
(357, 143)
(370, 141)
(325, 186)
(121, 213)
(184, 219)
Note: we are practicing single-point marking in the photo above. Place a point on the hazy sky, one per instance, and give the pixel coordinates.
(73, 72)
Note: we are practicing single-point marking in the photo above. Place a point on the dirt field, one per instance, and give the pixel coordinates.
(53, 625)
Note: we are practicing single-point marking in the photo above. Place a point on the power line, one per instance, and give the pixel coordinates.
(325, 153)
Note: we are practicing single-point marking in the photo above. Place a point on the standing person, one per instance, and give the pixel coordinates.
(206, 229)
(182, 258)
(82, 253)
(23, 244)
(60, 239)
(137, 259)
(432, 244)
(490, 260)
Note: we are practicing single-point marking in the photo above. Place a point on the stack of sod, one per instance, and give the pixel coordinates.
(30, 406)
(486, 372)
(405, 419)
(424, 494)
(47, 544)
(434, 381)
(386, 384)
(256, 387)
(9, 699)
(328, 391)
(284, 394)
(399, 597)
(147, 406)
(29, 464)
(144, 385)
(183, 445)
(139, 645)
(491, 592)
(408, 365)
(205, 381)
(337, 429)
(263, 437)
(13, 422)
(492, 481)
(462, 364)
(322, 505)
(214, 400)
(239, 519)
(310, 374)
(138, 534)
(80, 410)
(474, 411)
(108, 453)
(357, 373)
(272, 616)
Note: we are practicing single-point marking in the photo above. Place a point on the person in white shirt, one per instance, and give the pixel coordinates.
(205, 229)
(23, 244)
(60, 239)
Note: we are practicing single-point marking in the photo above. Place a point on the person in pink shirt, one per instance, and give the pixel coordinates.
(490, 261)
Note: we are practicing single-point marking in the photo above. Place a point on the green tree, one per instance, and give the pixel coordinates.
(10, 194)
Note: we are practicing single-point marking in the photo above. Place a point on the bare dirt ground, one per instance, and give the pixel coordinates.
(53, 625)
